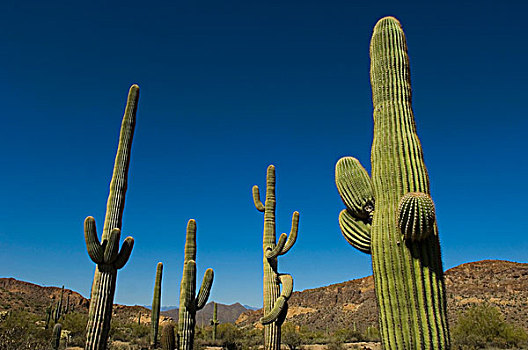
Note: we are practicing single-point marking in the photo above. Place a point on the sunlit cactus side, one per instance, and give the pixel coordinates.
(400, 229)
(57, 330)
(190, 302)
(214, 321)
(156, 304)
(168, 341)
(105, 252)
(275, 297)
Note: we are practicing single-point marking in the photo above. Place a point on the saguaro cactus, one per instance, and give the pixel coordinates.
(275, 298)
(214, 321)
(106, 253)
(156, 303)
(57, 330)
(58, 309)
(392, 217)
(189, 301)
(168, 341)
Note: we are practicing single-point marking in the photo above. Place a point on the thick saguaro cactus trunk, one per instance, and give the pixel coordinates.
(275, 299)
(399, 230)
(156, 305)
(189, 301)
(105, 253)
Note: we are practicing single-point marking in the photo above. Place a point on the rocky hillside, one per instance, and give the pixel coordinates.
(226, 313)
(500, 283)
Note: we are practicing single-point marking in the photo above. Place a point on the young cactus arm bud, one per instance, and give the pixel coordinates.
(93, 246)
(416, 216)
(355, 187)
(205, 289)
(355, 231)
(273, 253)
(189, 277)
(256, 199)
(293, 233)
(112, 248)
(124, 254)
(287, 285)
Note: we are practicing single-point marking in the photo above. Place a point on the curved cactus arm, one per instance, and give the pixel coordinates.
(112, 247)
(416, 216)
(273, 253)
(124, 254)
(256, 199)
(274, 314)
(205, 289)
(287, 285)
(293, 233)
(93, 246)
(189, 276)
(355, 187)
(355, 231)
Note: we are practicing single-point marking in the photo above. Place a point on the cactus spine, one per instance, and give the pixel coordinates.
(106, 253)
(156, 303)
(401, 232)
(214, 321)
(167, 337)
(57, 330)
(275, 298)
(189, 301)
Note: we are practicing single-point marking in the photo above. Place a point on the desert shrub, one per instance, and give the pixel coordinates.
(75, 323)
(20, 331)
(371, 334)
(230, 336)
(290, 336)
(347, 335)
(484, 325)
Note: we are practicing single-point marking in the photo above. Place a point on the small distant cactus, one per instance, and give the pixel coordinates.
(168, 341)
(58, 308)
(106, 253)
(189, 301)
(275, 298)
(57, 330)
(214, 321)
(391, 215)
(156, 304)
(49, 311)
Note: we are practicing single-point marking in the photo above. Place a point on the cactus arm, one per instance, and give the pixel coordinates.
(93, 246)
(205, 289)
(57, 330)
(293, 233)
(124, 254)
(416, 216)
(276, 251)
(112, 247)
(355, 231)
(256, 199)
(281, 302)
(355, 187)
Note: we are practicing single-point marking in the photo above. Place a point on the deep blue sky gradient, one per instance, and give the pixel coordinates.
(226, 89)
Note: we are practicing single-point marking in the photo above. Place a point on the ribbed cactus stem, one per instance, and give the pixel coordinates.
(405, 249)
(105, 252)
(214, 321)
(156, 305)
(275, 299)
(168, 341)
(189, 301)
(57, 330)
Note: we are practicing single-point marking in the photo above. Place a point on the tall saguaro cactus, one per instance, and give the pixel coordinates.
(214, 321)
(275, 298)
(156, 304)
(105, 253)
(190, 302)
(392, 216)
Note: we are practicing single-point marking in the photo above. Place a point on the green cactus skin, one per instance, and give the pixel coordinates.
(214, 321)
(106, 253)
(275, 299)
(57, 330)
(407, 263)
(57, 315)
(49, 311)
(168, 341)
(156, 304)
(189, 301)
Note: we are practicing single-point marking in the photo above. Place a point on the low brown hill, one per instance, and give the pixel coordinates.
(501, 283)
(225, 313)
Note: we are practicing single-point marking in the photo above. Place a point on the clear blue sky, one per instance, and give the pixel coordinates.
(226, 89)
